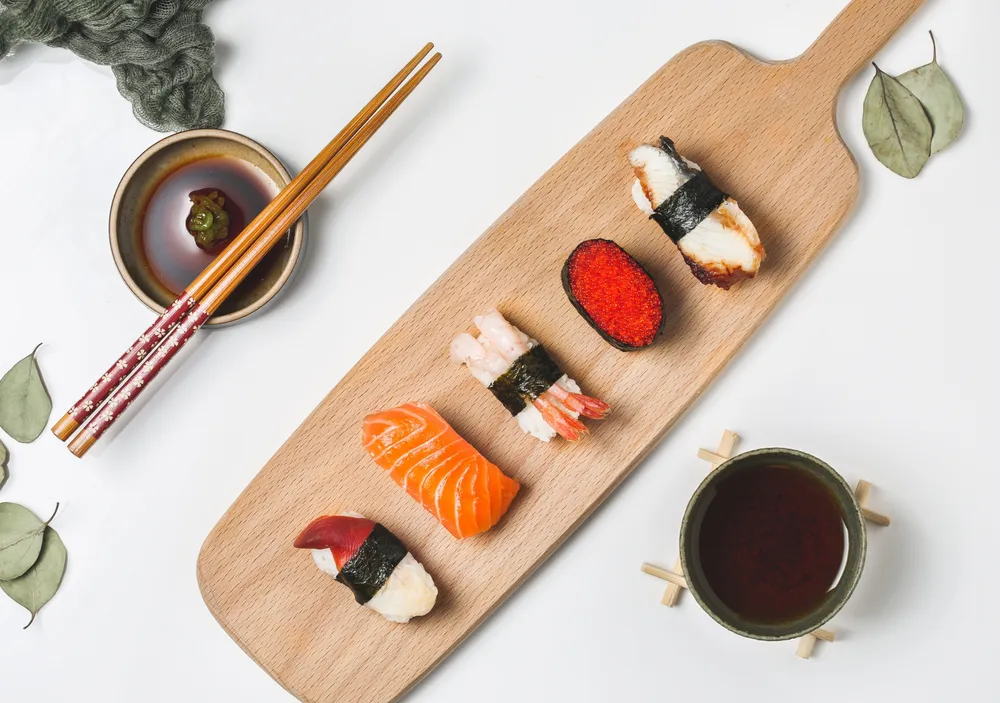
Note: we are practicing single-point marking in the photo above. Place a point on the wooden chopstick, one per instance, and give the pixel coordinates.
(126, 394)
(149, 339)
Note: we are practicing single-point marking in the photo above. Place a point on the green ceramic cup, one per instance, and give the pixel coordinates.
(837, 596)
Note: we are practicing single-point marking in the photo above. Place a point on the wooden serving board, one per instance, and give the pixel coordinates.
(766, 133)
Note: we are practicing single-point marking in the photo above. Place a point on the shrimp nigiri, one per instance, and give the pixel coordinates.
(522, 376)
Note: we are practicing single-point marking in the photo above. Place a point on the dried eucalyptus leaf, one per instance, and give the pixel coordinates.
(37, 586)
(25, 405)
(896, 126)
(20, 540)
(4, 472)
(940, 98)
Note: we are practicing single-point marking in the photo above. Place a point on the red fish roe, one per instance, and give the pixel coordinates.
(614, 294)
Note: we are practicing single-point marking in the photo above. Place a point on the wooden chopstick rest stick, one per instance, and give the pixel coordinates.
(672, 593)
(806, 644)
(148, 369)
(669, 576)
(151, 338)
(862, 492)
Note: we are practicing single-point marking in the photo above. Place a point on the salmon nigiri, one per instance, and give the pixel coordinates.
(439, 469)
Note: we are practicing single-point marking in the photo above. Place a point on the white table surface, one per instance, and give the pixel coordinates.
(882, 360)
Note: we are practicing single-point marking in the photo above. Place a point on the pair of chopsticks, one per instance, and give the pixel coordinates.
(104, 403)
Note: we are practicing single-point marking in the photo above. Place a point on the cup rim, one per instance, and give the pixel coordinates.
(284, 178)
(857, 546)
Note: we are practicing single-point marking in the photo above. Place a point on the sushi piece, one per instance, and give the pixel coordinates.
(716, 239)
(440, 470)
(367, 558)
(614, 294)
(522, 376)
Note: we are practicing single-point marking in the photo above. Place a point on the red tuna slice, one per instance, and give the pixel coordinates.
(343, 535)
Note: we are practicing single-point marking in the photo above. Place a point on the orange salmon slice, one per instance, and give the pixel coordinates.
(438, 468)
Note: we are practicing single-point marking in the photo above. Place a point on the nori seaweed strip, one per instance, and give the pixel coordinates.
(373, 563)
(507, 394)
(535, 372)
(667, 146)
(688, 206)
(528, 377)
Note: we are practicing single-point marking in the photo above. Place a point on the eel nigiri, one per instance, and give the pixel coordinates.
(367, 558)
(716, 239)
(522, 376)
(439, 469)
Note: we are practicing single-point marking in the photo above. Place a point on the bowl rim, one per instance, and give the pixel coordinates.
(854, 566)
(298, 231)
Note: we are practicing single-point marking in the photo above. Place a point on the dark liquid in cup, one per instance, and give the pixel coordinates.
(771, 542)
(171, 252)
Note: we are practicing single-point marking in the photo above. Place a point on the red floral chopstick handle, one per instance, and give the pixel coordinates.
(131, 358)
(147, 371)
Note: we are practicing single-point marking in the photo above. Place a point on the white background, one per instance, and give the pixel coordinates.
(882, 361)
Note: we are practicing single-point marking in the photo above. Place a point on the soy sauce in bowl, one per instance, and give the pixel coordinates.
(170, 251)
(772, 543)
(155, 247)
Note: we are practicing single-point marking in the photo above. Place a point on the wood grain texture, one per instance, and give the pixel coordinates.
(766, 133)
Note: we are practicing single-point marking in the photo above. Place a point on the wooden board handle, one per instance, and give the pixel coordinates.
(854, 38)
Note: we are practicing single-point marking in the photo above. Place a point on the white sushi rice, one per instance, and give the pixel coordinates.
(409, 591)
(325, 561)
(530, 420)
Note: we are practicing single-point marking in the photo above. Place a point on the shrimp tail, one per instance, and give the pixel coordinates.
(583, 404)
(567, 426)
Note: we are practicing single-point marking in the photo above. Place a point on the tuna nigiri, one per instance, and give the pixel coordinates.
(367, 558)
(439, 469)
(717, 240)
(522, 376)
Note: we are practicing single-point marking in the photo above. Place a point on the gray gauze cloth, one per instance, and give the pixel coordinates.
(160, 51)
